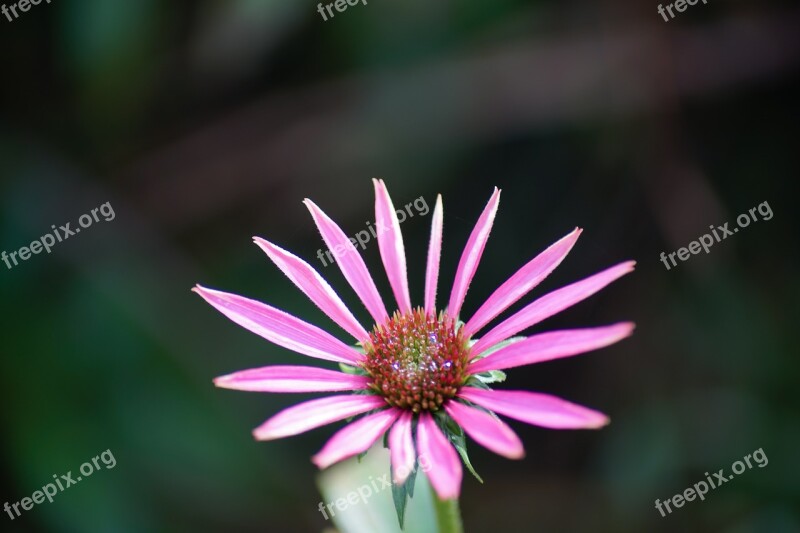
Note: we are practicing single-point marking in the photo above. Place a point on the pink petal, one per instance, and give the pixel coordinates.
(279, 327)
(550, 304)
(355, 438)
(315, 413)
(401, 446)
(445, 471)
(487, 430)
(472, 255)
(315, 287)
(291, 379)
(552, 345)
(350, 263)
(535, 408)
(434, 255)
(390, 243)
(522, 282)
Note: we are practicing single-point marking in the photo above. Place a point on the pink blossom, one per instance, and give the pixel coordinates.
(418, 366)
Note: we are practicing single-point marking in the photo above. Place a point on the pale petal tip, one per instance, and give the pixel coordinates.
(622, 330)
(262, 434)
(267, 246)
(600, 421)
(518, 454)
(321, 462)
(224, 382)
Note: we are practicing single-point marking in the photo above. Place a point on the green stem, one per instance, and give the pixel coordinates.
(448, 515)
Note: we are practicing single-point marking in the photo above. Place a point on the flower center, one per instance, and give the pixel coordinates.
(417, 361)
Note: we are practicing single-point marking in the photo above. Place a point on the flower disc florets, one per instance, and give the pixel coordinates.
(417, 361)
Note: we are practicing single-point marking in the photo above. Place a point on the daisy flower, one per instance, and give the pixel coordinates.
(420, 375)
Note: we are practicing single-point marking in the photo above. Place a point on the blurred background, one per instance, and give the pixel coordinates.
(204, 123)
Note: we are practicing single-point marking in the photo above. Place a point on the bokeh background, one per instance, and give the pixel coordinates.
(207, 122)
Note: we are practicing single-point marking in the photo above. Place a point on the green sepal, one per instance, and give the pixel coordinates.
(495, 347)
(401, 492)
(411, 478)
(456, 436)
(492, 376)
(474, 381)
(352, 370)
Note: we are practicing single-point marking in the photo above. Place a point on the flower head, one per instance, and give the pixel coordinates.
(421, 374)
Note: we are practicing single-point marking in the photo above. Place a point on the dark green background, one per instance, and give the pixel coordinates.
(205, 123)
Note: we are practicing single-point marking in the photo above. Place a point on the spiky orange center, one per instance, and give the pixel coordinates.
(417, 361)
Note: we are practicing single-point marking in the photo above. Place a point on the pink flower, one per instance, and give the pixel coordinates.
(419, 371)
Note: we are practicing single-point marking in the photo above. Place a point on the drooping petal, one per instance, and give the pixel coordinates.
(487, 430)
(315, 413)
(279, 327)
(434, 256)
(536, 408)
(522, 282)
(390, 243)
(355, 438)
(401, 446)
(445, 466)
(350, 263)
(315, 287)
(472, 255)
(551, 304)
(552, 345)
(291, 379)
